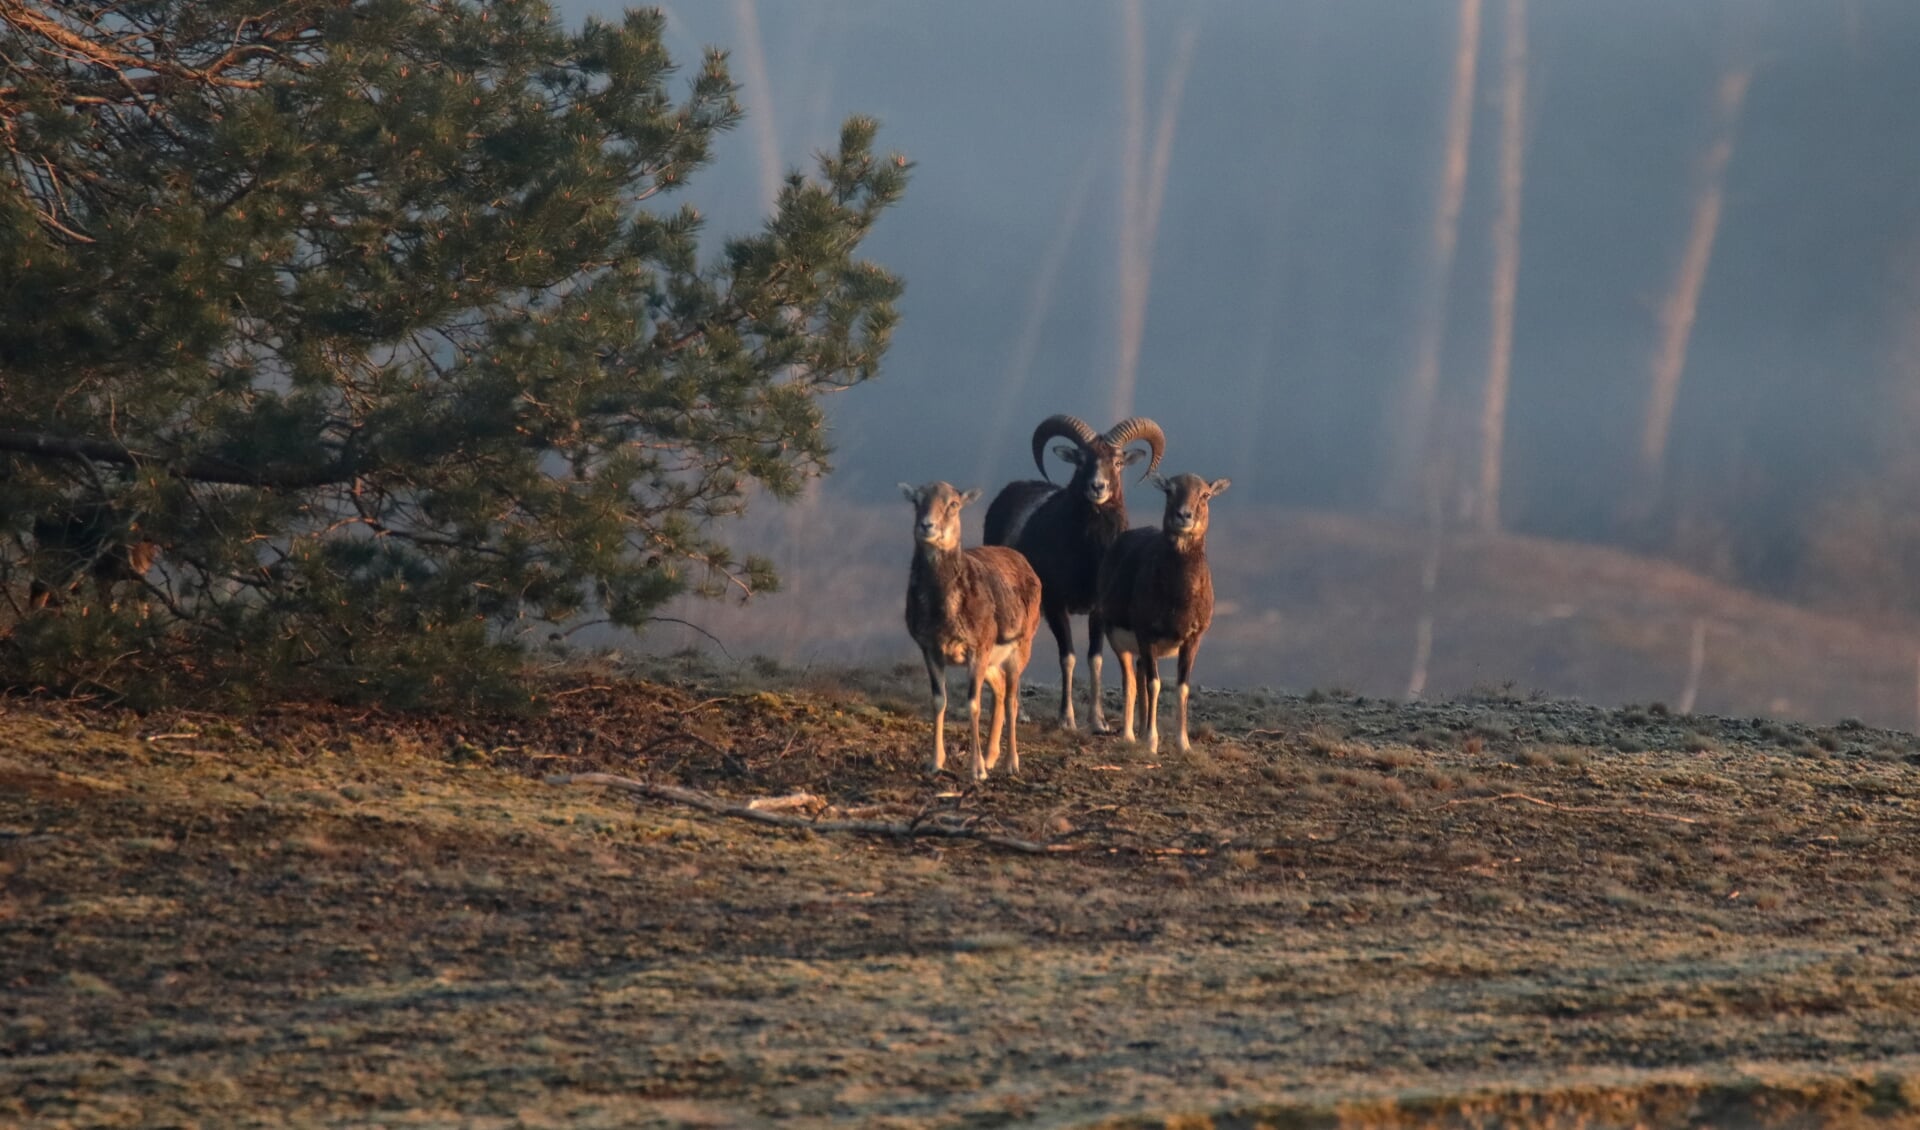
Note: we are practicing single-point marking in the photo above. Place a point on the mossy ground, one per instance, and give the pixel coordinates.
(316, 916)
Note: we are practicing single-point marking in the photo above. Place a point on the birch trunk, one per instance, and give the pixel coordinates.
(759, 91)
(1506, 265)
(1678, 312)
(1413, 433)
(1143, 189)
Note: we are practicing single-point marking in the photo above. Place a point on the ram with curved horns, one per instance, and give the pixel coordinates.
(1064, 531)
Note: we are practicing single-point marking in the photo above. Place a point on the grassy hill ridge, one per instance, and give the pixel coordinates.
(1311, 599)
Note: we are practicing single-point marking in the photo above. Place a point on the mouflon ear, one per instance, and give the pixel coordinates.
(1133, 455)
(1218, 486)
(1068, 452)
(1160, 483)
(970, 497)
(912, 492)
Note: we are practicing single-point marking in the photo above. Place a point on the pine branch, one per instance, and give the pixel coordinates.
(40, 445)
(158, 73)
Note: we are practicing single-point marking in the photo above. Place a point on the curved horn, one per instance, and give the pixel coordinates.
(1072, 427)
(1140, 428)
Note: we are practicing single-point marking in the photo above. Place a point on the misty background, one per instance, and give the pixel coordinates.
(1237, 218)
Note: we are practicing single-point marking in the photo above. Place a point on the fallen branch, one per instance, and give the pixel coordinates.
(720, 806)
(783, 803)
(1524, 798)
(767, 810)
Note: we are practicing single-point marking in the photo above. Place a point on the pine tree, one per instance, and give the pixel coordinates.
(374, 317)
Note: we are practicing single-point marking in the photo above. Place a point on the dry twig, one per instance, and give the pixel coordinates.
(791, 801)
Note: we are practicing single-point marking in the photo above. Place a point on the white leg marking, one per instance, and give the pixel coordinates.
(996, 680)
(1095, 709)
(973, 715)
(1012, 686)
(1128, 691)
(940, 730)
(1066, 690)
(1153, 708)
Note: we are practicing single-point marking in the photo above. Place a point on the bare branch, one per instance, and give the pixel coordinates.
(695, 627)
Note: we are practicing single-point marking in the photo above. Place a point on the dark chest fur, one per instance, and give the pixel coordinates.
(1065, 541)
(1173, 594)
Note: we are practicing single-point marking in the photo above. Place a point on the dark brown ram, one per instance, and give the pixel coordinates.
(1065, 531)
(1156, 599)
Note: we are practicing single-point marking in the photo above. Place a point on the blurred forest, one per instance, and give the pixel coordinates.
(1639, 273)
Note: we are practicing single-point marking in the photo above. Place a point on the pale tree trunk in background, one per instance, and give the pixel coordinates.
(1696, 663)
(1429, 588)
(1133, 151)
(1162, 161)
(1143, 186)
(1417, 470)
(759, 98)
(1682, 305)
(756, 82)
(1413, 435)
(1506, 265)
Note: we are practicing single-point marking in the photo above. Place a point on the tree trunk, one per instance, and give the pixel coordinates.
(1678, 312)
(1143, 188)
(1412, 436)
(760, 105)
(1133, 149)
(1506, 265)
(1161, 162)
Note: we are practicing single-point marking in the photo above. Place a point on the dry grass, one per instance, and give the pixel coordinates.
(313, 918)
